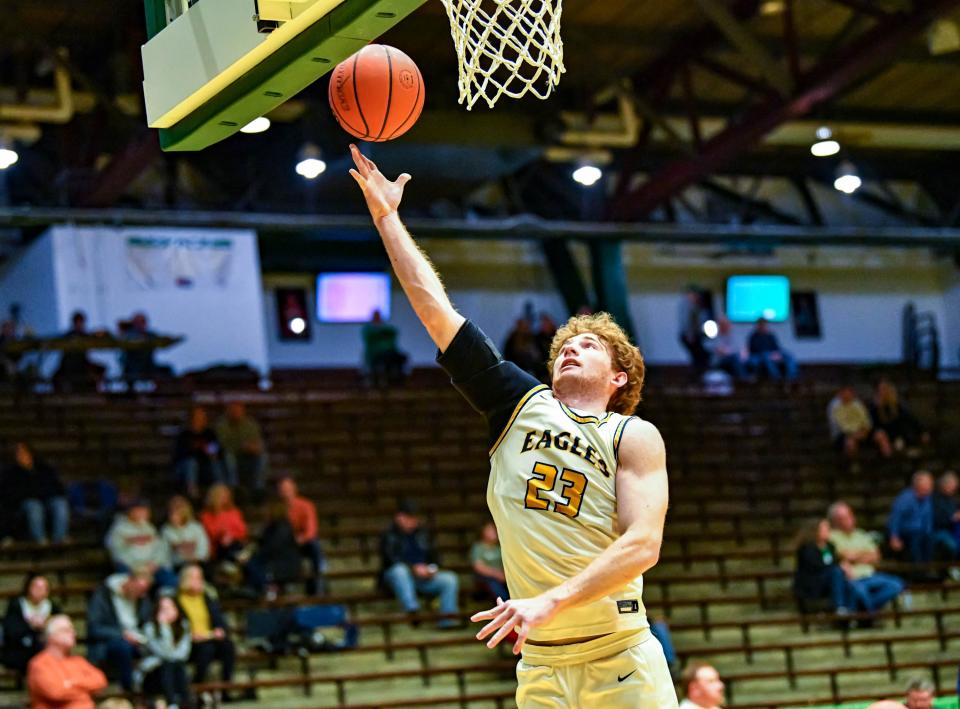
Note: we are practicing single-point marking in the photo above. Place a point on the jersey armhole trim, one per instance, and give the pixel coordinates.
(618, 434)
(516, 412)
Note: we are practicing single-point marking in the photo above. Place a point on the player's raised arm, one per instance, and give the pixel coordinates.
(642, 497)
(416, 274)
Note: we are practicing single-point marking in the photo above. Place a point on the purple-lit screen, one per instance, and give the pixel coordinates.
(352, 297)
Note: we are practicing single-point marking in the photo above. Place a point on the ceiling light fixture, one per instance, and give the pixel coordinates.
(587, 175)
(825, 145)
(257, 125)
(309, 164)
(848, 181)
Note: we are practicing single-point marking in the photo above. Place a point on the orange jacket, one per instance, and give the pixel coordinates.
(62, 682)
(303, 518)
(221, 524)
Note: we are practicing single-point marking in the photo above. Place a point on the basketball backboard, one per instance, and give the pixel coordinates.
(212, 66)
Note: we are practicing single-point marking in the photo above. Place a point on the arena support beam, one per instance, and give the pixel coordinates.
(566, 274)
(824, 82)
(610, 282)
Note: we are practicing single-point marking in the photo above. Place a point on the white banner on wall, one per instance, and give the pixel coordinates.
(164, 263)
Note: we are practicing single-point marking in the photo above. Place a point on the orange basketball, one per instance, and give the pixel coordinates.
(377, 94)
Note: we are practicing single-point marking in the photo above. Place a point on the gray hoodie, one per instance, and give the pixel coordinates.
(135, 545)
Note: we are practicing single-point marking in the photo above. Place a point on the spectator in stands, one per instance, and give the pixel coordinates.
(197, 455)
(911, 520)
(546, 329)
(76, 369)
(244, 453)
(850, 424)
(382, 358)
(208, 627)
(276, 559)
(224, 523)
(521, 347)
(302, 514)
(920, 693)
(139, 363)
(134, 543)
(23, 625)
(58, 680)
(702, 686)
(692, 316)
(35, 488)
(168, 644)
(116, 614)
(767, 356)
(858, 555)
(819, 575)
(185, 537)
(488, 563)
(410, 565)
(726, 353)
(946, 515)
(890, 415)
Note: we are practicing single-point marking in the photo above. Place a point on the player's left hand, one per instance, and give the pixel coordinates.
(521, 614)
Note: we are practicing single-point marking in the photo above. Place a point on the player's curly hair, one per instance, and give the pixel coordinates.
(625, 355)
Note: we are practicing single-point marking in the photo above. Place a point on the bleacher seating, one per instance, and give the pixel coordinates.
(745, 470)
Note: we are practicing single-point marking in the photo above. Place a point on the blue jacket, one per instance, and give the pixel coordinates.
(910, 515)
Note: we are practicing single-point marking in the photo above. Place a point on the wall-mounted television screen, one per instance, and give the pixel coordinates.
(352, 297)
(750, 298)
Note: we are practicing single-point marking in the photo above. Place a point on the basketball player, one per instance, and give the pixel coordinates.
(577, 488)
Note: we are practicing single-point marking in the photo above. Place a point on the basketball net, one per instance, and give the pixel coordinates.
(506, 47)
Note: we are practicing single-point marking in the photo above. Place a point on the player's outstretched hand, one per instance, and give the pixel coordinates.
(522, 614)
(383, 196)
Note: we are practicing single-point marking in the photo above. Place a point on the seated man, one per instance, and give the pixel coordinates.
(726, 353)
(920, 694)
(134, 543)
(55, 678)
(383, 360)
(911, 520)
(410, 565)
(197, 455)
(140, 363)
(116, 614)
(850, 424)
(244, 453)
(703, 687)
(35, 489)
(767, 356)
(302, 514)
(858, 556)
(946, 515)
(76, 370)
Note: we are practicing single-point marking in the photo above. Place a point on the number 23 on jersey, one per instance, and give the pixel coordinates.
(568, 484)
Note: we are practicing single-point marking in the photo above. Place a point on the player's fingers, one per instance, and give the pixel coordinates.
(360, 181)
(484, 615)
(503, 618)
(501, 634)
(358, 159)
(401, 181)
(521, 638)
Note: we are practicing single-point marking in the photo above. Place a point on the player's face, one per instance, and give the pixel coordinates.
(583, 362)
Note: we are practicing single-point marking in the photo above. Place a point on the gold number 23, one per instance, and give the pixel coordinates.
(570, 489)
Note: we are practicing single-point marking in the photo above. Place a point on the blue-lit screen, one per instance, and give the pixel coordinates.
(352, 297)
(752, 297)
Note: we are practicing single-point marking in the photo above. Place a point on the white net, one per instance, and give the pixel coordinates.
(506, 47)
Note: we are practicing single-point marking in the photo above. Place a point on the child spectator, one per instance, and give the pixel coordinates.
(185, 537)
(164, 667)
(134, 543)
(23, 625)
(488, 563)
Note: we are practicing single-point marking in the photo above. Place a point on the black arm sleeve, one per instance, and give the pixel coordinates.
(490, 384)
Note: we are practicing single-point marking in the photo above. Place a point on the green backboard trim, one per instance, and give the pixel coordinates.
(286, 72)
(156, 17)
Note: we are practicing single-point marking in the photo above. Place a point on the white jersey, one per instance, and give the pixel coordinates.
(552, 493)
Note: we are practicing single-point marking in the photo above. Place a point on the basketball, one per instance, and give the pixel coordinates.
(377, 94)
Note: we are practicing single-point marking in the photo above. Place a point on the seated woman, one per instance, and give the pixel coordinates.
(276, 561)
(488, 564)
(890, 415)
(819, 575)
(224, 523)
(164, 666)
(185, 536)
(24, 622)
(208, 628)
